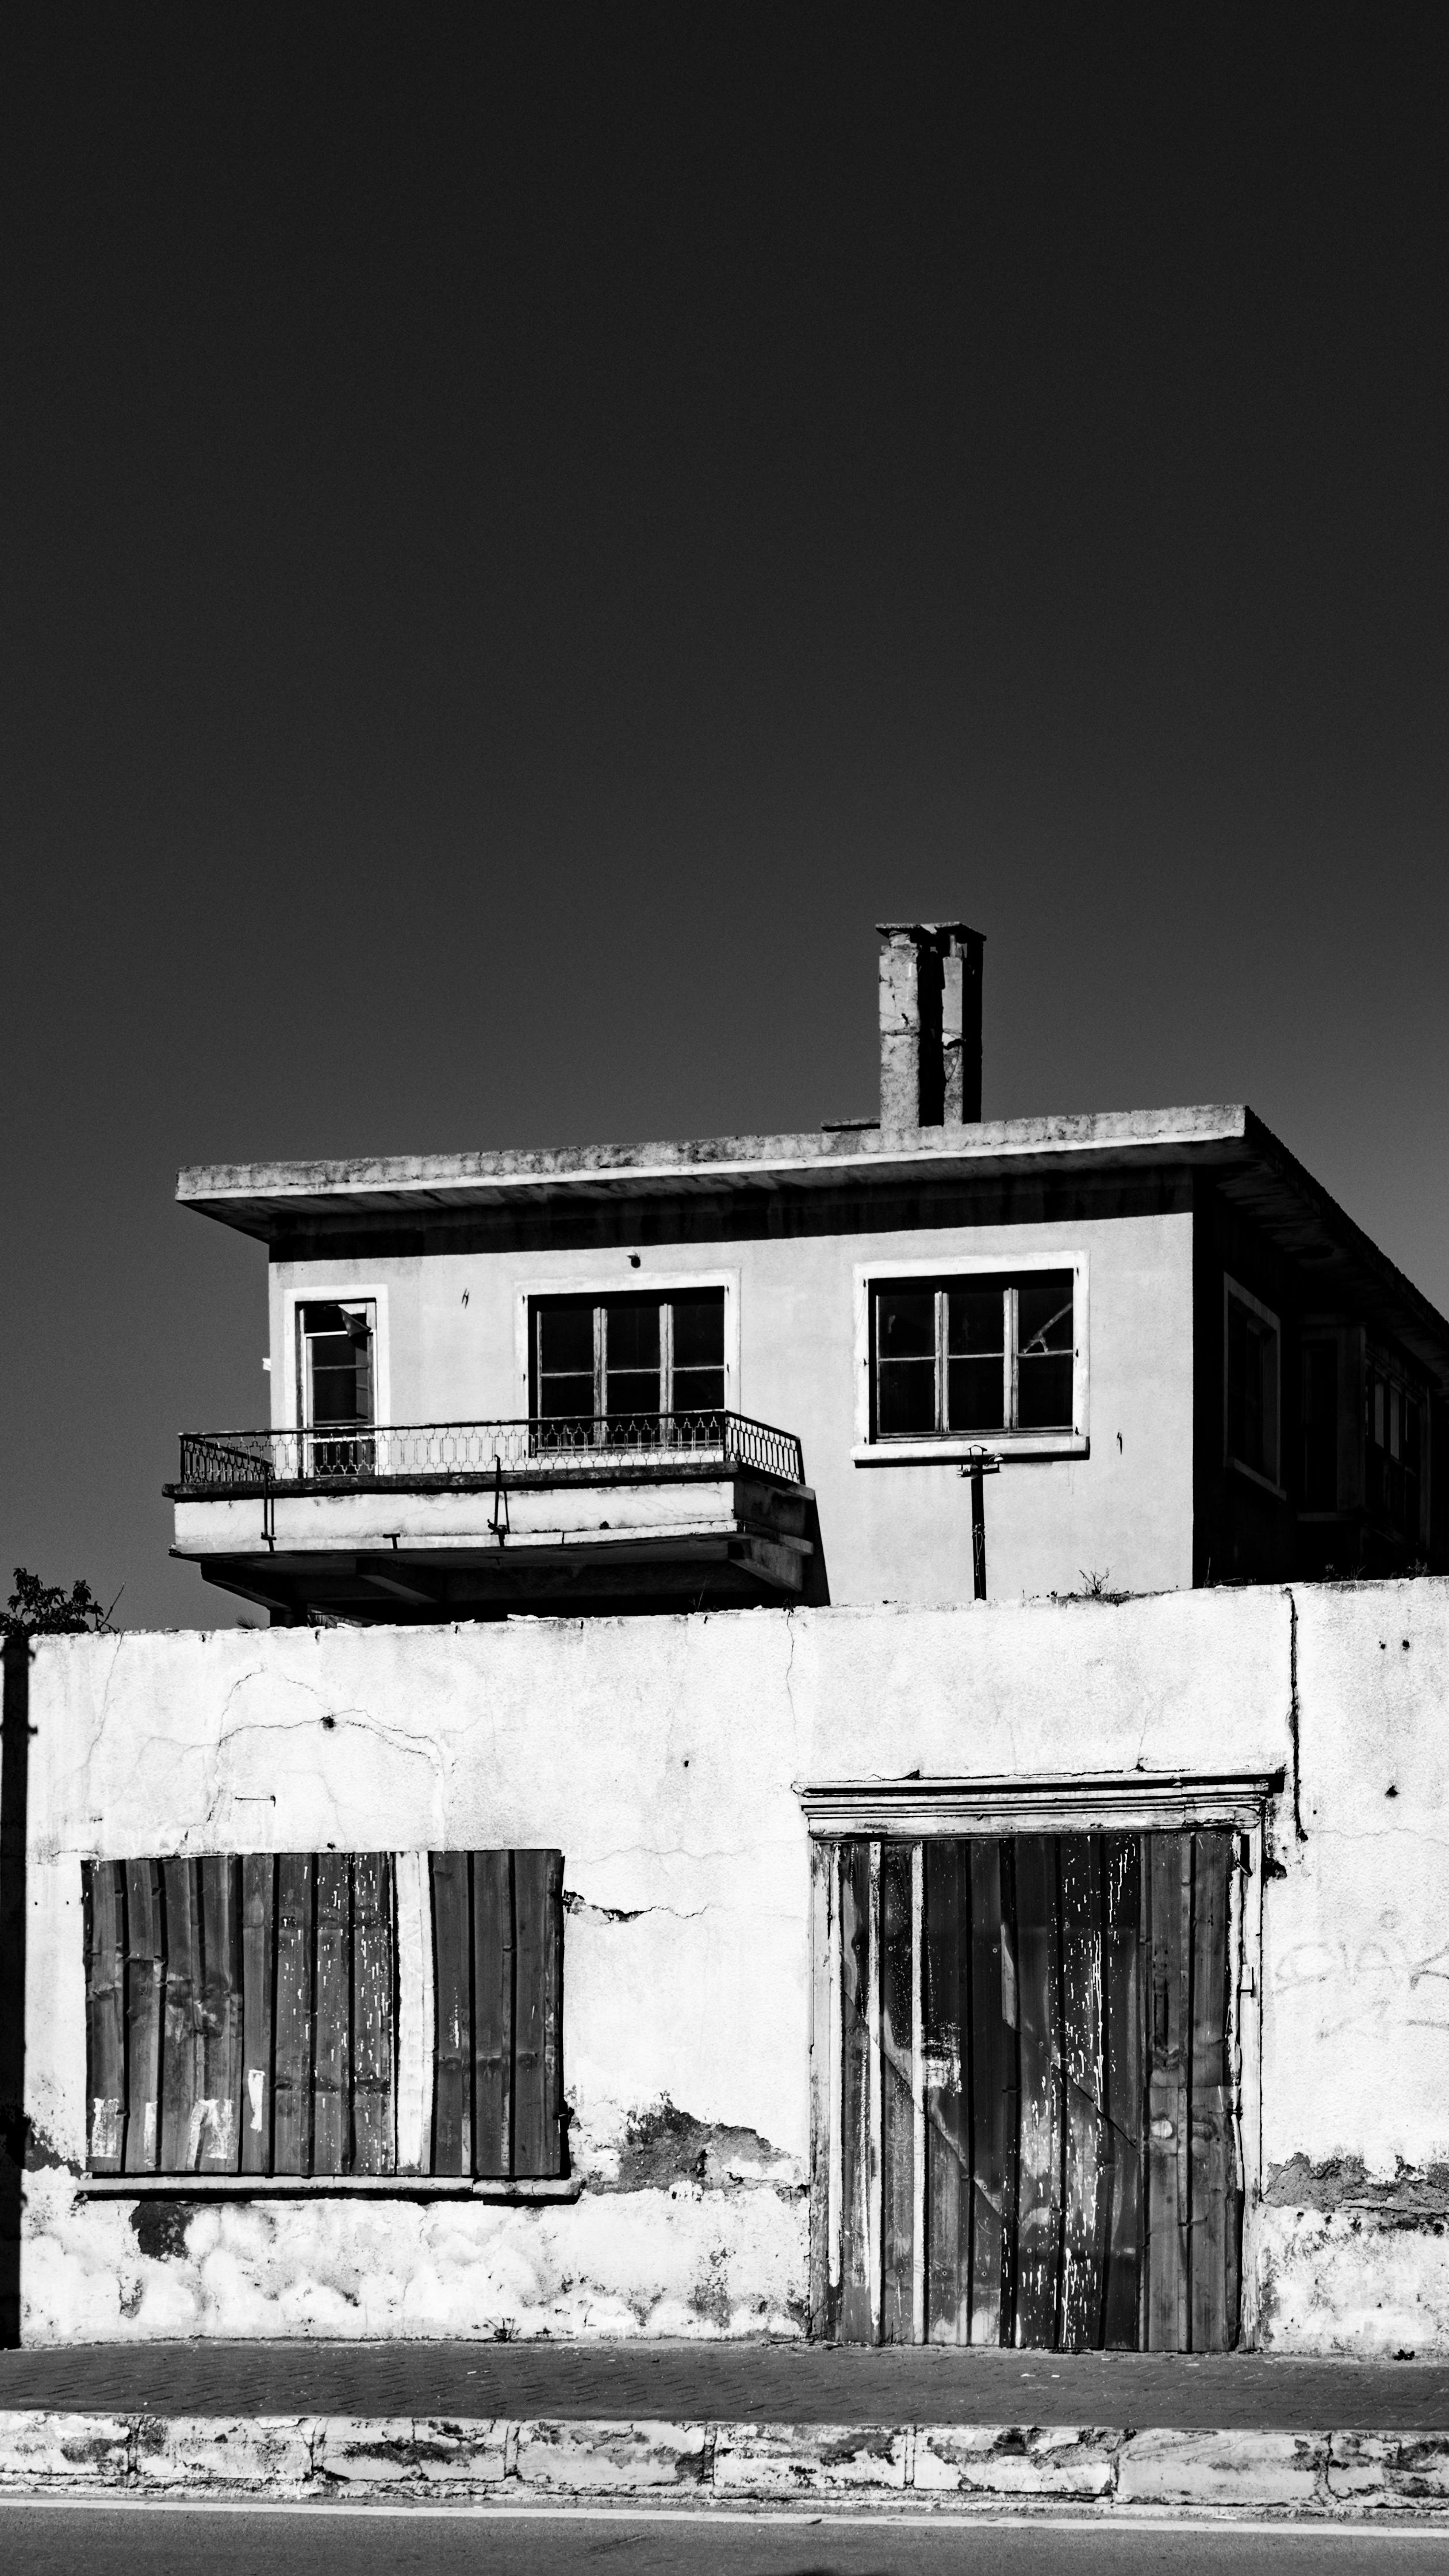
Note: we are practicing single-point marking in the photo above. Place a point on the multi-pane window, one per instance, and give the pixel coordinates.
(973, 1355)
(326, 2013)
(616, 1367)
(1395, 1453)
(336, 1385)
(1252, 1385)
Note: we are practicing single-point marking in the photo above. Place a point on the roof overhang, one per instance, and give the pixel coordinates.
(272, 1201)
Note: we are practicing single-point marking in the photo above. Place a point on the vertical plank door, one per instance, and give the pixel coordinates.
(1213, 2237)
(259, 1933)
(332, 2036)
(993, 2094)
(104, 1893)
(898, 2106)
(183, 2070)
(219, 2142)
(374, 2119)
(822, 2083)
(538, 2128)
(292, 2107)
(453, 2003)
(1165, 2306)
(946, 2043)
(493, 1978)
(1088, 2169)
(145, 2002)
(1124, 2098)
(1039, 2173)
(857, 2304)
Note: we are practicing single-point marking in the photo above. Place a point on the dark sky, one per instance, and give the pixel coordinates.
(526, 532)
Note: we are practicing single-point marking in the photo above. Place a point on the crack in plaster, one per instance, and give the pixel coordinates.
(1299, 1833)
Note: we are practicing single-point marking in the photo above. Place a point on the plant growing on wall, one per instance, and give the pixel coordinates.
(37, 1609)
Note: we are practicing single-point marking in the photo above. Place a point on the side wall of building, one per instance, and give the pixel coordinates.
(663, 1757)
(892, 1532)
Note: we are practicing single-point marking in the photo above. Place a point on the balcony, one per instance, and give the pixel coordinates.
(441, 1520)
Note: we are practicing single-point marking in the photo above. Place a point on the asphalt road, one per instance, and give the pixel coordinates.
(51, 2540)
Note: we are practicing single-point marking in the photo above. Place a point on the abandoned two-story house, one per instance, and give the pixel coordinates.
(679, 1376)
(686, 1857)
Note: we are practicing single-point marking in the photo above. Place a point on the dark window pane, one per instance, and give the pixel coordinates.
(1044, 1313)
(698, 1390)
(699, 1330)
(566, 1340)
(631, 1367)
(632, 1396)
(1044, 1392)
(562, 1395)
(975, 1393)
(974, 1321)
(905, 1324)
(632, 1328)
(906, 1399)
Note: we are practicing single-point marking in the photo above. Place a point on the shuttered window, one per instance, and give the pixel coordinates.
(327, 2014)
(1032, 2139)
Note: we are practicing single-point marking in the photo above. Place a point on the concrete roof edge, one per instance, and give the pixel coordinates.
(726, 1157)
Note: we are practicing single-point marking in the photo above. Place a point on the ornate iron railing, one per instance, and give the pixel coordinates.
(545, 1450)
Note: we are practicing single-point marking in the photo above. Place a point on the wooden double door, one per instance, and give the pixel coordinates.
(1031, 2137)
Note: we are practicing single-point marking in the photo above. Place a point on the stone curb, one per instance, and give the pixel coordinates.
(1331, 2476)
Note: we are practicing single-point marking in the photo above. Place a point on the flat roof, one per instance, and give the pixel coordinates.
(390, 1182)
(1254, 1170)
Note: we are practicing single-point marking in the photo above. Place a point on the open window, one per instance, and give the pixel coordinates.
(627, 1370)
(336, 1385)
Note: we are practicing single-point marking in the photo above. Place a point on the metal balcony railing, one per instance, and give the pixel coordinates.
(572, 1448)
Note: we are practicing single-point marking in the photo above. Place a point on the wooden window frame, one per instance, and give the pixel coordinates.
(634, 1283)
(1266, 1484)
(872, 1451)
(917, 1811)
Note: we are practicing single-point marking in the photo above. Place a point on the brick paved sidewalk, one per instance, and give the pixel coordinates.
(723, 2383)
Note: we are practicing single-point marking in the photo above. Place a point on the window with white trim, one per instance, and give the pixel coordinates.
(628, 1360)
(337, 1384)
(973, 1355)
(1252, 1377)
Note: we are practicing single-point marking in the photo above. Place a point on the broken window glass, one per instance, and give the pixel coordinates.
(975, 1356)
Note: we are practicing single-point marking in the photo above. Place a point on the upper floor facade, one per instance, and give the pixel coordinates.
(904, 1362)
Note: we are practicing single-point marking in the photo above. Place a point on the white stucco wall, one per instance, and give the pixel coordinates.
(660, 1755)
(448, 1327)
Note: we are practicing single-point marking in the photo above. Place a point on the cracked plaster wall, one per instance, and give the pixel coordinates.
(660, 1755)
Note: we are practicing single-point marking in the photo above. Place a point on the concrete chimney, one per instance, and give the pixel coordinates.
(930, 1025)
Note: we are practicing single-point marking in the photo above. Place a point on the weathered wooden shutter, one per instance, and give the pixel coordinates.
(498, 2001)
(1033, 2092)
(239, 2014)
